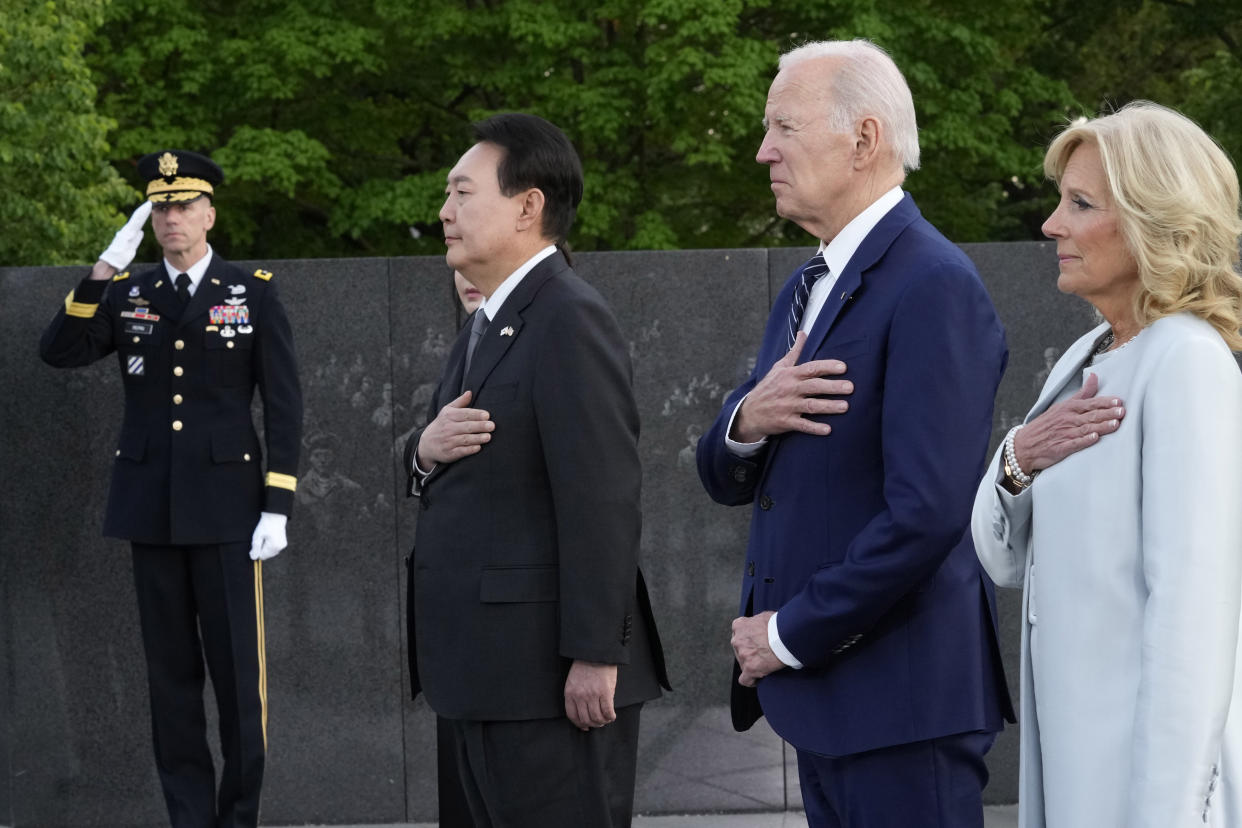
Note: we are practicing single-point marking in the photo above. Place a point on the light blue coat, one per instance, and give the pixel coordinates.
(1129, 553)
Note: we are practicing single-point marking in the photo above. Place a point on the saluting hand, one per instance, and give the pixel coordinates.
(782, 400)
(124, 244)
(456, 432)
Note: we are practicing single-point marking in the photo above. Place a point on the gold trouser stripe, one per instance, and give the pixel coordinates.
(282, 481)
(258, 608)
(81, 309)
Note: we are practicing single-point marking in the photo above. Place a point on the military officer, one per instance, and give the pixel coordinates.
(201, 503)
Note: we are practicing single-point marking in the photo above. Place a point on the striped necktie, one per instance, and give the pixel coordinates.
(812, 272)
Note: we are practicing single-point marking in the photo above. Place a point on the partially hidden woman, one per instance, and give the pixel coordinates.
(1117, 504)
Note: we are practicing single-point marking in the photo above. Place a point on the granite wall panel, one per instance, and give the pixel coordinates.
(347, 744)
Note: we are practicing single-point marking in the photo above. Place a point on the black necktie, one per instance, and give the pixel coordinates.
(812, 272)
(476, 333)
(183, 288)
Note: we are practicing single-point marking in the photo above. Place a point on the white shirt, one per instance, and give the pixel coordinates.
(491, 305)
(837, 255)
(196, 271)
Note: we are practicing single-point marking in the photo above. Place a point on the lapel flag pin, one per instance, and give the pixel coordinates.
(507, 330)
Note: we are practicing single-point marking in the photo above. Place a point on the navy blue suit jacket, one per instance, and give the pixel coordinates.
(860, 539)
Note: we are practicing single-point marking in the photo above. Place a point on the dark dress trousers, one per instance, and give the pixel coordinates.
(860, 539)
(188, 484)
(526, 553)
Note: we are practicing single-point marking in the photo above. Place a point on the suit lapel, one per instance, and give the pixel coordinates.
(850, 280)
(1070, 365)
(505, 327)
(212, 290)
(158, 289)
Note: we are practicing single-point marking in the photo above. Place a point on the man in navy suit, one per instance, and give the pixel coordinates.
(868, 633)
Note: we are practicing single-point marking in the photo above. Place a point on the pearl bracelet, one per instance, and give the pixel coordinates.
(1011, 461)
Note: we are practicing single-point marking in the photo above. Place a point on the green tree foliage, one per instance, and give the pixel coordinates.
(336, 120)
(58, 193)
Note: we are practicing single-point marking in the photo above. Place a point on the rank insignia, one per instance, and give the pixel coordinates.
(265, 275)
(135, 366)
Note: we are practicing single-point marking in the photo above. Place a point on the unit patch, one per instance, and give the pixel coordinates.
(135, 366)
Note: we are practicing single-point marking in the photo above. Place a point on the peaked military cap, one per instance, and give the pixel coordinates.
(179, 175)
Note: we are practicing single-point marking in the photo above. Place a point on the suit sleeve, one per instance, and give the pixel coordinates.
(81, 331)
(946, 354)
(1192, 569)
(588, 424)
(729, 478)
(1001, 527)
(281, 391)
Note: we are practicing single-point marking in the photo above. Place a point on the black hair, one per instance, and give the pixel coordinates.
(537, 154)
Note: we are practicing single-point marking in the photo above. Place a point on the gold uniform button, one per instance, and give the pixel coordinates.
(246, 457)
(178, 371)
(228, 345)
(177, 399)
(137, 340)
(177, 425)
(179, 344)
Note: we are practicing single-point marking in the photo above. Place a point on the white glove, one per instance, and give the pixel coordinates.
(269, 536)
(125, 243)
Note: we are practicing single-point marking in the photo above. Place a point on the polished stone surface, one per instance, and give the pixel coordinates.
(347, 744)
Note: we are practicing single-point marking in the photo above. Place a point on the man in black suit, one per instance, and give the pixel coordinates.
(194, 336)
(530, 627)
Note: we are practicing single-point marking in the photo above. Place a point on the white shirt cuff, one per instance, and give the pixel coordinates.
(742, 449)
(778, 647)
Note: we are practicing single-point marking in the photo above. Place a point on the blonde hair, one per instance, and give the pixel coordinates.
(867, 82)
(1177, 204)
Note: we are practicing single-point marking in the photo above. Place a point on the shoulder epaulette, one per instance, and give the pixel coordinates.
(120, 277)
(265, 275)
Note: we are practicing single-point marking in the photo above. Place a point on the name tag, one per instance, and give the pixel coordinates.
(139, 328)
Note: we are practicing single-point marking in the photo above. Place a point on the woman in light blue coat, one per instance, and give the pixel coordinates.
(1117, 505)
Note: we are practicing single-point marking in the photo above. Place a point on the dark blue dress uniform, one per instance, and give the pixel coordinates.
(188, 464)
(188, 487)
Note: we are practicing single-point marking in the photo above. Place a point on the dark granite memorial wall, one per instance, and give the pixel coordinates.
(347, 745)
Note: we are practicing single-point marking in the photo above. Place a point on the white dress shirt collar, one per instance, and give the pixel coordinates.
(491, 305)
(839, 251)
(195, 272)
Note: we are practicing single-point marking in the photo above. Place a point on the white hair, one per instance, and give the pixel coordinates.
(866, 83)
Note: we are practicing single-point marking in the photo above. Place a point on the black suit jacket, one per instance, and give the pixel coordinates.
(189, 468)
(526, 553)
